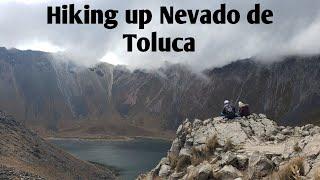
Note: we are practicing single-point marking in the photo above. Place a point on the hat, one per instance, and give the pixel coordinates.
(226, 102)
(241, 104)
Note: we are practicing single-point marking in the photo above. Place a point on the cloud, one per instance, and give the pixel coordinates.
(295, 30)
(308, 40)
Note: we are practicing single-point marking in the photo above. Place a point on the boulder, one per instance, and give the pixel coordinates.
(179, 130)
(287, 131)
(204, 171)
(229, 159)
(187, 125)
(313, 146)
(277, 160)
(269, 126)
(164, 170)
(176, 175)
(305, 133)
(280, 128)
(307, 127)
(192, 173)
(175, 147)
(259, 165)
(183, 129)
(228, 173)
(164, 161)
(257, 127)
(185, 152)
(197, 123)
(189, 141)
(232, 131)
(206, 122)
(262, 116)
(297, 131)
(217, 119)
(314, 131)
(200, 135)
(315, 165)
(242, 162)
(280, 137)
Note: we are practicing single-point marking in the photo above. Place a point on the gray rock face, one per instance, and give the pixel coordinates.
(176, 175)
(255, 147)
(235, 132)
(164, 170)
(185, 152)
(277, 160)
(205, 171)
(175, 147)
(312, 147)
(197, 123)
(228, 173)
(259, 166)
(155, 171)
(242, 161)
(229, 158)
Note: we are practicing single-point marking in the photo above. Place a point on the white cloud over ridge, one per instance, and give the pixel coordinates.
(295, 31)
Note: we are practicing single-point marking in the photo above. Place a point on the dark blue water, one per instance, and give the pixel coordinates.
(131, 157)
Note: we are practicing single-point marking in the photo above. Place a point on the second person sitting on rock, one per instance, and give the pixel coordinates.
(244, 110)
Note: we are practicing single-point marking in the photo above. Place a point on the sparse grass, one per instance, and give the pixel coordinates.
(198, 155)
(196, 152)
(317, 174)
(205, 152)
(172, 160)
(212, 143)
(182, 163)
(229, 145)
(297, 148)
(192, 174)
(293, 170)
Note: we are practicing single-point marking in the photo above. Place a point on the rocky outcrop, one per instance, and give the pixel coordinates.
(24, 155)
(253, 147)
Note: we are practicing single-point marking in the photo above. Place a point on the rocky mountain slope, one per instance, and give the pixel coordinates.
(288, 91)
(244, 148)
(41, 91)
(24, 155)
(52, 94)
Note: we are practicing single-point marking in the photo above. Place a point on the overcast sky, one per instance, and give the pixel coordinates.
(296, 30)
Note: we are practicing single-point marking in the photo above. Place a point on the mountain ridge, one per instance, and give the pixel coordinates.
(52, 95)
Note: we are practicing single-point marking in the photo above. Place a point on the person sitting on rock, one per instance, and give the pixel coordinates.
(244, 110)
(228, 111)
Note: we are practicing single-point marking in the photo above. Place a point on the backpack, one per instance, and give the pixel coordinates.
(229, 111)
(244, 111)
